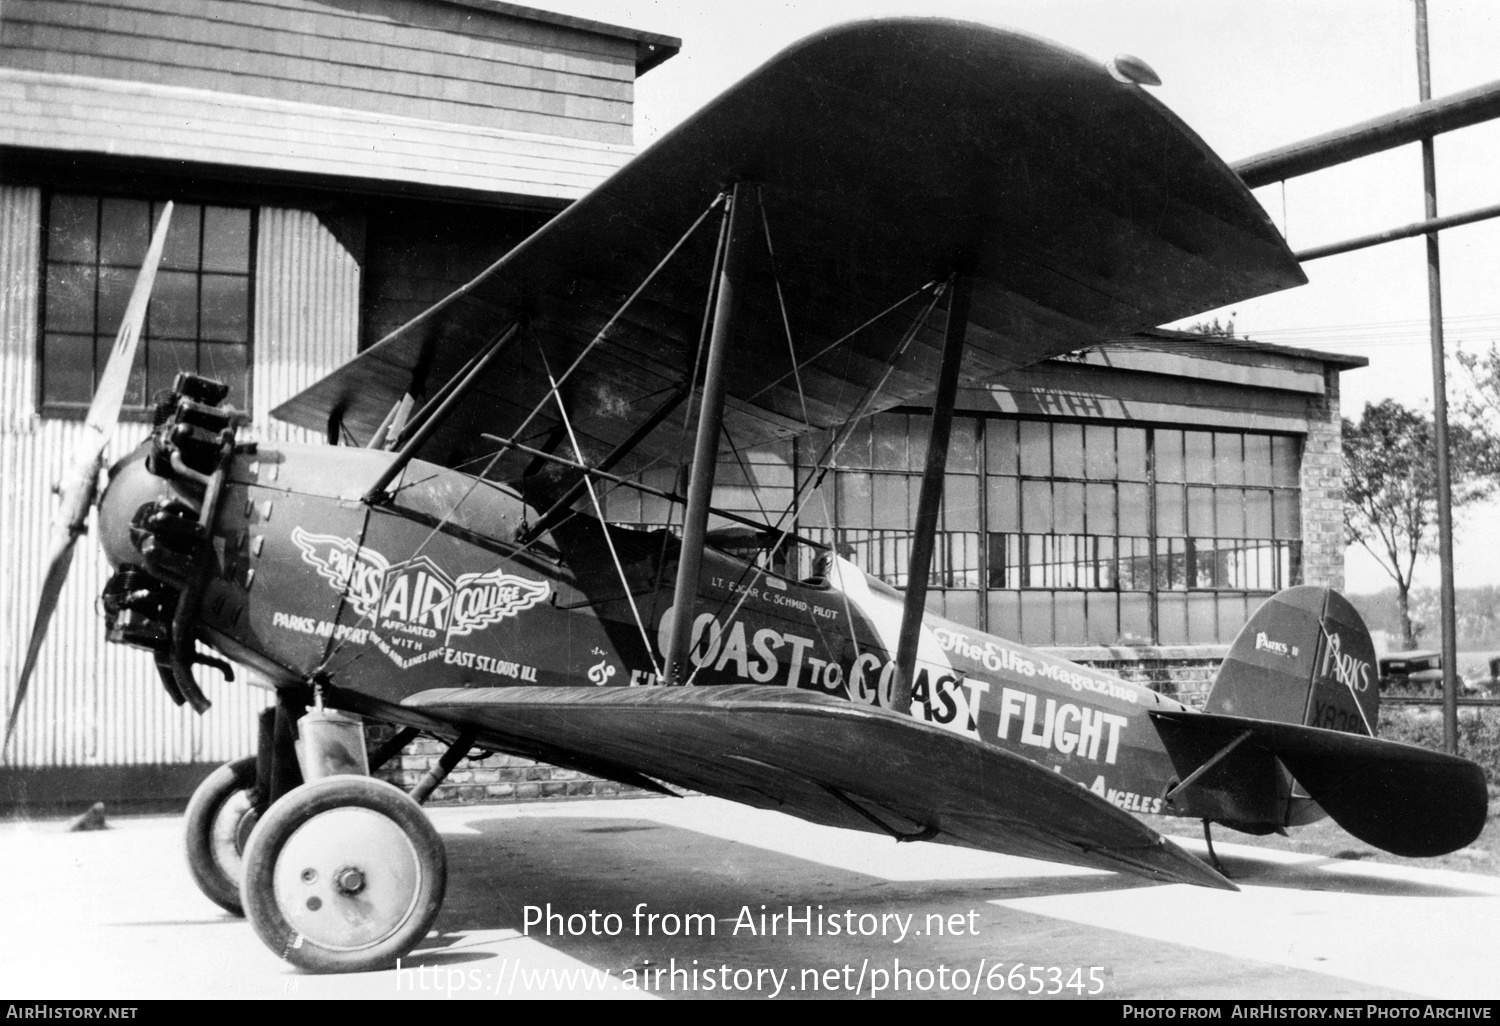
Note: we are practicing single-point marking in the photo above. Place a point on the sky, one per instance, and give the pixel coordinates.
(1248, 76)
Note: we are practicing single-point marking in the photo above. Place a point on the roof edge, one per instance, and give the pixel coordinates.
(651, 48)
(1169, 339)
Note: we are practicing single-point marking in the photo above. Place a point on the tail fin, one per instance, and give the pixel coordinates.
(1306, 661)
(1305, 657)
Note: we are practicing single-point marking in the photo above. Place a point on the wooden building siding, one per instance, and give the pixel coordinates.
(520, 107)
(469, 68)
(418, 25)
(1251, 370)
(1071, 390)
(41, 110)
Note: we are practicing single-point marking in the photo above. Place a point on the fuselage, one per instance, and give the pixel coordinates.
(441, 588)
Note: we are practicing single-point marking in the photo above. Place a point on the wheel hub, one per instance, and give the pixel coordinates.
(348, 878)
(231, 830)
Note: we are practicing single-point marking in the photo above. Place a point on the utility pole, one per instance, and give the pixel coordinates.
(1439, 407)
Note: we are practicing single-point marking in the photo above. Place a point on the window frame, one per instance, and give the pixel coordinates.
(1214, 561)
(49, 409)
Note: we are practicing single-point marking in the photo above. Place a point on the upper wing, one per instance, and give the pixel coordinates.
(823, 759)
(886, 154)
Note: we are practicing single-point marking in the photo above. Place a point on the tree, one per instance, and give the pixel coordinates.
(1390, 493)
(1479, 402)
(1215, 329)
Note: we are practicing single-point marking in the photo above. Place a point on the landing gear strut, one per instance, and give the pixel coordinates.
(226, 806)
(342, 873)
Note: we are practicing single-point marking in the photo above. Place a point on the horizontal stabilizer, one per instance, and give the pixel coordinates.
(1406, 800)
(829, 761)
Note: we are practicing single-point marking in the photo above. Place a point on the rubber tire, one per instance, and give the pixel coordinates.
(281, 823)
(219, 883)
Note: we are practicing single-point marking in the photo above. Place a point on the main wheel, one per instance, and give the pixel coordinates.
(220, 816)
(343, 874)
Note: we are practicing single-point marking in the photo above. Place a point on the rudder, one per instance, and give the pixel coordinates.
(1305, 657)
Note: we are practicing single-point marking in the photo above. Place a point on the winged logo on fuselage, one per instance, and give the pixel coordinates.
(483, 599)
(416, 598)
(357, 572)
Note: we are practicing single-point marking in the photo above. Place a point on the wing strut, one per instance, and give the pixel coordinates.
(927, 833)
(931, 495)
(706, 445)
(419, 438)
(829, 457)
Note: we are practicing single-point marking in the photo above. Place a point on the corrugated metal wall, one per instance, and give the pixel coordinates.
(91, 703)
(306, 312)
(20, 252)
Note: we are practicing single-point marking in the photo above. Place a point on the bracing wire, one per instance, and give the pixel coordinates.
(588, 483)
(599, 337)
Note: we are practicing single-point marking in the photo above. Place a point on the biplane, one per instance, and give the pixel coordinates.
(880, 213)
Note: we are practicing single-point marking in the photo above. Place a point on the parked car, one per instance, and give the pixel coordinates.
(1412, 669)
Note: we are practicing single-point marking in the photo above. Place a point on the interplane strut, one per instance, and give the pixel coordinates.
(931, 496)
(706, 446)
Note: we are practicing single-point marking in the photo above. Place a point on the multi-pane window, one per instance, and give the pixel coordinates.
(200, 314)
(875, 492)
(1052, 533)
(1101, 534)
(1059, 533)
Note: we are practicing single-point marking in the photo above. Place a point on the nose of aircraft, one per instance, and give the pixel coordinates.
(130, 487)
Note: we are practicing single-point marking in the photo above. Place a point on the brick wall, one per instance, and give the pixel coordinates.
(497, 778)
(1323, 489)
(1183, 672)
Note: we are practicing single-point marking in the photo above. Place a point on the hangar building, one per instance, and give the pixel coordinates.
(337, 165)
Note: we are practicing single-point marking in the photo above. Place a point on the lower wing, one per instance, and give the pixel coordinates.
(825, 760)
